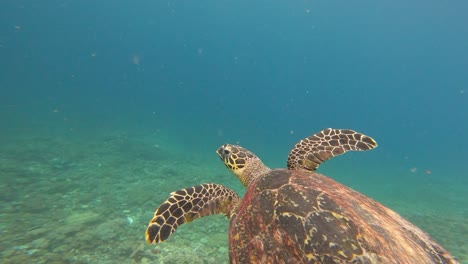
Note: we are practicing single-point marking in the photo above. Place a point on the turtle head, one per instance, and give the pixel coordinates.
(242, 162)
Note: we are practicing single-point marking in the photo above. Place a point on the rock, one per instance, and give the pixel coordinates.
(222, 250)
(108, 230)
(38, 231)
(41, 243)
(82, 218)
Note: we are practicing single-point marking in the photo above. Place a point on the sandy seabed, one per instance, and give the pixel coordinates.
(89, 200)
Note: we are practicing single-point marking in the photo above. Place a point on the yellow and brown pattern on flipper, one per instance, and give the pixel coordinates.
(310, 152)
(188, 204)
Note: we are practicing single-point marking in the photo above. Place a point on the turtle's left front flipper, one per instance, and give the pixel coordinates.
(188, 204)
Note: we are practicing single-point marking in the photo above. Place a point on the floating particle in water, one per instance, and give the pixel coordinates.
(136, 59)
(413, 170)
(428, 172)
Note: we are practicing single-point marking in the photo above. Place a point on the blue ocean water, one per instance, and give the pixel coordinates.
(264, 74)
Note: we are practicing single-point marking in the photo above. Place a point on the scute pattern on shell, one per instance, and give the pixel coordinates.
(302, 217)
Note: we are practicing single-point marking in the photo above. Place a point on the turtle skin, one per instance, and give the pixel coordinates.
(295, 217)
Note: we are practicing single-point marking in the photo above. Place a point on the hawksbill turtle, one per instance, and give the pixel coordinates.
(296, 215)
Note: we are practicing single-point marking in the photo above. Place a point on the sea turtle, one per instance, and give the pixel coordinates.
(296, 215)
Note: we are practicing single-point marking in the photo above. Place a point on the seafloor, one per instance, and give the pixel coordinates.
(88, 199)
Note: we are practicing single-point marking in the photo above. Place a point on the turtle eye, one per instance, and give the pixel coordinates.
(226, 152)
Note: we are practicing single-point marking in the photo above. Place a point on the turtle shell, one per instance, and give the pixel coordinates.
(290, 216)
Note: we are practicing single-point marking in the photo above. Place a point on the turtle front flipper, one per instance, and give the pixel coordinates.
(310, 152)
(188, 204)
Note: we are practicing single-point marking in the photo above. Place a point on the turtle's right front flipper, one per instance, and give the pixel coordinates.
(309, 153)
(188, 204)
